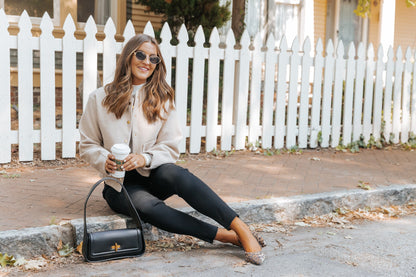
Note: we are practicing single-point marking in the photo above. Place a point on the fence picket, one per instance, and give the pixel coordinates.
(241, 93)
(397, 95)
(413, 101)
(280, 114)
(213, 91)
(304, 95)
(148, 29)
(90, 60)
(25, 87)
(388, 95)
(406, 97)
(227, 93)
(109, 52)
(255, 87)
(327, 94)
(292, 105)
(378, 95)
(129, 32)
(197, 92)
(167, 51)
(358, 95)
(181, 85)
(5, 118)
(69, 101)
(337, 95)
(268, 94)
(348, 97)
(47, 89)
(316, 95)
(368, 94)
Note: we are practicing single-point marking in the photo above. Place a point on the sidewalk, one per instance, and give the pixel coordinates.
(32, 197)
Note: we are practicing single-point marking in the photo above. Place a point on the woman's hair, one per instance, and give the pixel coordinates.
(157, 90)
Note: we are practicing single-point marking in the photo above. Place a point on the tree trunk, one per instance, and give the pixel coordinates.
(238, 13)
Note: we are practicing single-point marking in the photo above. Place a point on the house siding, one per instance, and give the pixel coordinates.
(140, 16)
(404, 34)
(320, 10)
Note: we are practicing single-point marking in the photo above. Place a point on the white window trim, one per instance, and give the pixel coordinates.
(37, 20)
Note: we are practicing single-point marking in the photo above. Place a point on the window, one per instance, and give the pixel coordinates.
(101, 10)
(287, 16)
(34, 8)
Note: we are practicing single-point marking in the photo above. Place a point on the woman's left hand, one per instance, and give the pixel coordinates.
(134, 161)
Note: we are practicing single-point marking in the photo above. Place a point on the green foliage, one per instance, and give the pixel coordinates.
(192, 13)
(364, 6)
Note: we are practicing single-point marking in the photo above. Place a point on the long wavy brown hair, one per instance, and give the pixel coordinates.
(157, 90)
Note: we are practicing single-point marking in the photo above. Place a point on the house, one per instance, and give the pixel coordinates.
(119, 10)
(390, 21)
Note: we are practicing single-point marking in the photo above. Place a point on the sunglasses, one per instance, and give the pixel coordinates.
(141, 56)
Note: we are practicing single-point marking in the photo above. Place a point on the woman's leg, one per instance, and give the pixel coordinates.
(171, 179)
(154, 211)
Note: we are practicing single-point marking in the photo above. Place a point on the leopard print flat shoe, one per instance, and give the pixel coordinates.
(256, 258)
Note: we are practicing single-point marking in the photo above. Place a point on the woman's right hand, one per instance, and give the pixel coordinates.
(110, 164)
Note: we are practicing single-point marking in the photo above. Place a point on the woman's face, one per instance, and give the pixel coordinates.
(141, 70)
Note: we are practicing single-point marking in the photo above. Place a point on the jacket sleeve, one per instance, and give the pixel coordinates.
(90, 146)
(165, 149)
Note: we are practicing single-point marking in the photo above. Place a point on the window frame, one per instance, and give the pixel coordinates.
(55, 17)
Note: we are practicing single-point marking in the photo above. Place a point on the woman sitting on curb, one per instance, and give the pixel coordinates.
(137, 108)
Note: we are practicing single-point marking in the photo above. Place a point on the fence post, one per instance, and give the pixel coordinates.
(228, 93)
(5, 119)
(327, 94)
(69, 97)
(181, 83)
(90, 60)
(198, 71)
(256, 74)
(25, 87)
(241, 93)
(378, 95)
(109, 52)
(304, 95)
(368, 95)
(388, 94)
(337, 95)
(317, 95)
(406, 97)
(397, 95)
(213, 91)
(47, 89)
(292, 105)
(348, 96)
(280, 115)
(358, 95)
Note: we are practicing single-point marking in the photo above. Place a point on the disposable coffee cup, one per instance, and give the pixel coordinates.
(120, 152)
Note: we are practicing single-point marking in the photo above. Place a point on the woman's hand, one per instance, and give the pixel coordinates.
(134, 161)
(110, 165)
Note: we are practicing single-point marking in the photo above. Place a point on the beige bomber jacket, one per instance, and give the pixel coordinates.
(100, 130)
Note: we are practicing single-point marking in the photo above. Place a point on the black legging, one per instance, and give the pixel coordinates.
(148, 193)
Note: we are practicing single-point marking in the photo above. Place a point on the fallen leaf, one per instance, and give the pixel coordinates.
(302, 224)
(315, 159)
(79, 248)
(364, 185)
(65, 250)
(6, 260)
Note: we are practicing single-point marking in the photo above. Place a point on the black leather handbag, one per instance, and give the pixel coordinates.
(113, 244)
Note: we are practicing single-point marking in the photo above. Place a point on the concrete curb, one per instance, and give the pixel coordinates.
(32, 242)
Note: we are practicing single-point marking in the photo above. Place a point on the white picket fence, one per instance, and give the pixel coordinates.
(277, 98)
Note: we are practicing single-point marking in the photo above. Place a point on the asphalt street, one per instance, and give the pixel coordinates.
(368, 248)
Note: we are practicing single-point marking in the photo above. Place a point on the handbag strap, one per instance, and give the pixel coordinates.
(133, 212)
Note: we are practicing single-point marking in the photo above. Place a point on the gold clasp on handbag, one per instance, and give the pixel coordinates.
(115, 247)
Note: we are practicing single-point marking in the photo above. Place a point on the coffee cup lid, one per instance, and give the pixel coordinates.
(120, 148)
